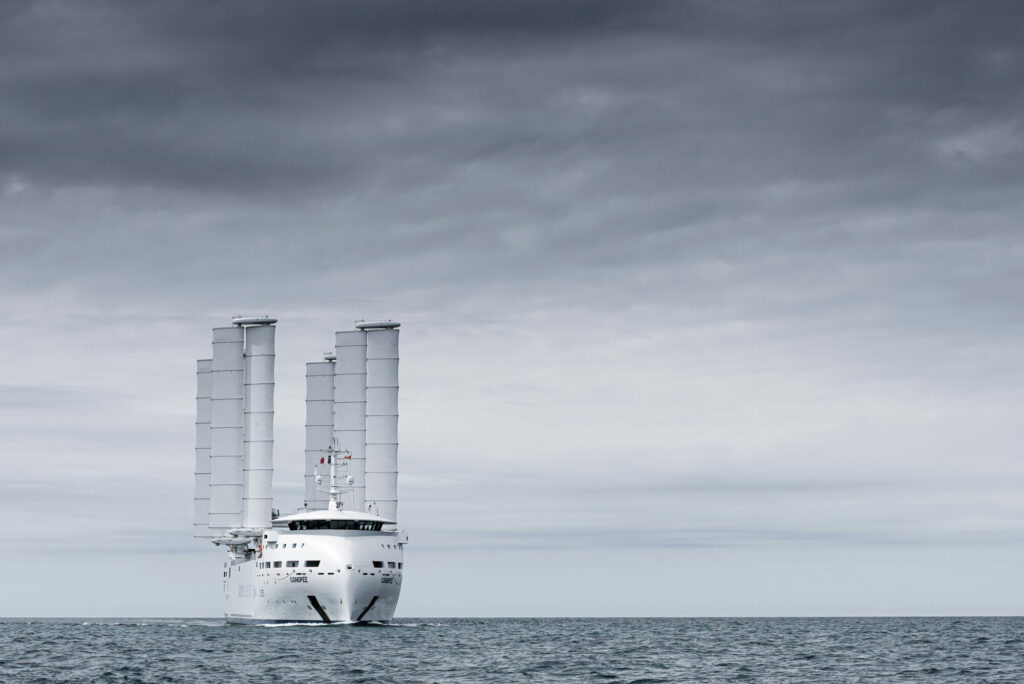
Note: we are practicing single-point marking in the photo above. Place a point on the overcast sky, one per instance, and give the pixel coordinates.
(708, 308)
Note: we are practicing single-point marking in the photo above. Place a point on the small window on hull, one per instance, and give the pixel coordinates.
(277, 564)
(292, 564)
(378, 564)
(313, 564)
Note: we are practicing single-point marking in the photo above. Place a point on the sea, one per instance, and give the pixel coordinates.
(637, 650)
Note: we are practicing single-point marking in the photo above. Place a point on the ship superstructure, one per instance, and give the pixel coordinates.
(340, 557)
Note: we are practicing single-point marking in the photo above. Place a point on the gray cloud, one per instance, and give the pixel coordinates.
(337, 97)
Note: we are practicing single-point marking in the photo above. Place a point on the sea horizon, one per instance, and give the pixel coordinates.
(538, 617)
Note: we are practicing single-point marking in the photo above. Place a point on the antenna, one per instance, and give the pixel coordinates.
(334, 454)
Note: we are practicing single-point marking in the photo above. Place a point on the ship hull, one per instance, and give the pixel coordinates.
(316, 576)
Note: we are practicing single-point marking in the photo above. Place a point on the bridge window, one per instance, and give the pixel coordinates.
(364, 525)
(313, 564)
(292, 564)
(391, 564)
(277, 564)
(378, 564)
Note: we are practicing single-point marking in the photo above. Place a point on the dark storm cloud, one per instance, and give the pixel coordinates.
(243, 97)
(220, 94)
(738, 150)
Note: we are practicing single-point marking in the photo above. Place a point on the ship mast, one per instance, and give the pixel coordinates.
(333, 453)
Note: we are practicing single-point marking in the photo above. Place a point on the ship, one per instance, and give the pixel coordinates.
(339, 558)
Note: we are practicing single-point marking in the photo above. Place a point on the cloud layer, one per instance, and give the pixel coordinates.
(728, 283)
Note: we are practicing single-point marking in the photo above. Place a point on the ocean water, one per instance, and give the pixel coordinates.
(517, 650)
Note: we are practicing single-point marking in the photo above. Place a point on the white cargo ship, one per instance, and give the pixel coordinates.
(340, 557)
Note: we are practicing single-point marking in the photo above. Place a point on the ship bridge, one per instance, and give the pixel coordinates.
(332, 520)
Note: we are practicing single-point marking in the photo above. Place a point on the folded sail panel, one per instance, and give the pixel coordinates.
(226, 427)
(258, 446)
(382, 419)
(201, 522)
(319, 429)
(350, 409)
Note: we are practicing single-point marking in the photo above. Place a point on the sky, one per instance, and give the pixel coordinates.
(708, 308)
